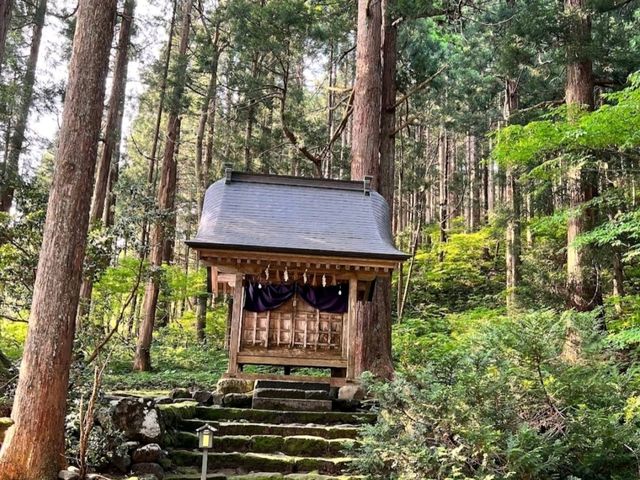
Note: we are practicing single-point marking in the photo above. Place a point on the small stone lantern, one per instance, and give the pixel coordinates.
(205, 442)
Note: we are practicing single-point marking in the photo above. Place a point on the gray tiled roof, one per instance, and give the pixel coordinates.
(296, 215)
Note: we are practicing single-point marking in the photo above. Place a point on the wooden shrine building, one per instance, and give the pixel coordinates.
(304, 253)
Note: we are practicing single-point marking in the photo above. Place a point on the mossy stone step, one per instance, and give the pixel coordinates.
(305, 405)
(277, 416)
(301, 445)
(195, 475)
(290, 393)
(173, 413)
(261, 462)
(283, 430)
(293, 385)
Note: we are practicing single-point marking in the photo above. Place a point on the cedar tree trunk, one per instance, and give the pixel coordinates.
(112, 138)
(34, 447)
(165, 199)
(12, 175)
(443, 193)
(365, 161)
(582, 283)
(6, 8)
(513, 197)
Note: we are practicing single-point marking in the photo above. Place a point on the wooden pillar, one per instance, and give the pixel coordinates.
(236, 325)
(214, 282)
(351, 328)
(228, 324)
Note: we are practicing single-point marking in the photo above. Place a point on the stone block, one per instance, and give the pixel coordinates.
(216, 398)
(351, 392)
(151, 453)
(203, 397)
(316, 395)
(234, 385)
(179, 393)
(279, 393)
(68, 475)
(120, 461)
(237, 400)
(148, 468)
(293, 385)
(292, 404)
(138, 420)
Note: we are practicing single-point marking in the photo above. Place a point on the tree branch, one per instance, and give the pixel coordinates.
(13, 319)
(317, 161)
(341, 126)
(548, 103)
(132, 294)
(418, 87)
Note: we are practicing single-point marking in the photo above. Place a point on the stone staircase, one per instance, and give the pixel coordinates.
(286, 395)
(291, 433)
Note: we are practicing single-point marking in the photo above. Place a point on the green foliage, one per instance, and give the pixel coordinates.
(181, 285)
(624, 326)
(12, 337)
(464, 271)
(497, 400)
(415, 340)
(20, 239)
(177, 358)
(615, 126)
(621, 232)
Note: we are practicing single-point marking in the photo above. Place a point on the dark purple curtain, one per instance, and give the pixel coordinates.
(260, 298)
(331, 299)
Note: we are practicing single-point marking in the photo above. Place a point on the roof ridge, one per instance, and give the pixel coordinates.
(296, 181)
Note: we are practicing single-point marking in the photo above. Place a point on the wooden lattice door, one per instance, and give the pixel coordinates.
(293, 329)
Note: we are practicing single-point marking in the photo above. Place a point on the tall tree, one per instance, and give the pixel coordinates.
(475, 178)
(6, 9)
(151, 172)
(112, 136)
(165, 198)
(34, 447)
(365, 142)
(443, 184)
(381, 364)
(373, 353)
(203, 159)
(12, 176)
(582, 277)
(513, 231)
(116, 107)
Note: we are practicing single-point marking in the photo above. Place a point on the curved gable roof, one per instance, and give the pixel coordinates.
(295, 215)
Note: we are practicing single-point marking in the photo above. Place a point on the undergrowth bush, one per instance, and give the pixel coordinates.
(178, 360)
(492, 397)
(465, 272)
